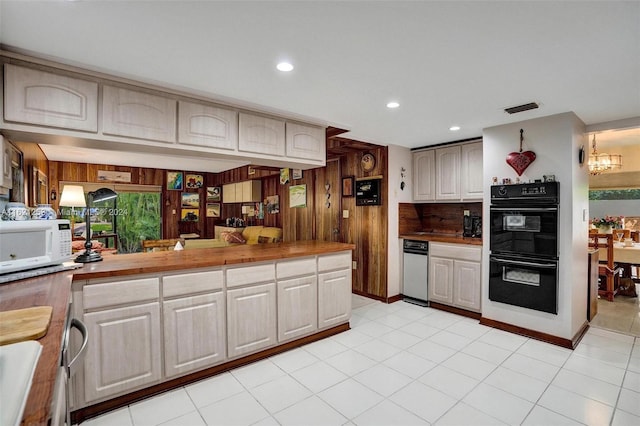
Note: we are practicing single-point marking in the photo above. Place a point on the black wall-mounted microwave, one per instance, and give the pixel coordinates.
(368, 192)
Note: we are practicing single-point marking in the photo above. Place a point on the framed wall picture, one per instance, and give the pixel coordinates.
(296, 173)
(194, 181)
(190, 200)
(298, 196)
(213, 193)
(190, 215)
(347, 186)
(174, 181)
(213, 209)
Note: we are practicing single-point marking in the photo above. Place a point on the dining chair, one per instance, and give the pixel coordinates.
(608, 270)
(635, 236)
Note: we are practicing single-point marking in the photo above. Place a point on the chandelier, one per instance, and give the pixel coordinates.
(599, 163)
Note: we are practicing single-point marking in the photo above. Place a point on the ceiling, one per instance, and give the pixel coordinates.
(446, 63)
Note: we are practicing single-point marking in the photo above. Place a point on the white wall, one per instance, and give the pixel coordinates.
(555, 140)
(399, 157)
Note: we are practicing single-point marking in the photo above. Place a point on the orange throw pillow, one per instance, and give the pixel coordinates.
(232, 237)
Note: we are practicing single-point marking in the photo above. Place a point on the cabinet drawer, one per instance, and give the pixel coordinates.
(334, 261)
(197, 282)
(293, 268)
(120, 292)
(456, 251)
(250, 275)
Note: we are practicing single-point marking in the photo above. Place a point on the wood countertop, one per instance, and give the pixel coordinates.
(442, 238)
(161, 261)
(47, 290)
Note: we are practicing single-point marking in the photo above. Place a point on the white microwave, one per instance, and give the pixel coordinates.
(28, 244)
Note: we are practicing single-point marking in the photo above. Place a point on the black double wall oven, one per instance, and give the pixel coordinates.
(523, 265)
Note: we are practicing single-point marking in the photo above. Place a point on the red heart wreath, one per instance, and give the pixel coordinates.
(519, 161)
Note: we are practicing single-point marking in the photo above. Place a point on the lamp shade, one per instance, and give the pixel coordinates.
(72, 196)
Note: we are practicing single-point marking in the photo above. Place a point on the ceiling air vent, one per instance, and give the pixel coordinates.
(520, 108)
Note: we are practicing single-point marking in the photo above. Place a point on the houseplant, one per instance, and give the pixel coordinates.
(606, 224)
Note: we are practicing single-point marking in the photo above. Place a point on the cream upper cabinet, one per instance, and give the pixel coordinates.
(248, 191)
(261, 135)
(138, 115)
(305, 141)
(471, 171)
(208, 126)
(424, 175)
(448, 173)
(47, 99)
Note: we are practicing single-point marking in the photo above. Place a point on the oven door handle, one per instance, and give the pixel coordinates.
(523, 209)
(523, 263)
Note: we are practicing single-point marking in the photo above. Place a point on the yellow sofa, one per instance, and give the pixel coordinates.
(251, 235)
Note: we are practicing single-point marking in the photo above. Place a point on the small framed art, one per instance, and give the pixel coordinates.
(174, 180)
(347, 186)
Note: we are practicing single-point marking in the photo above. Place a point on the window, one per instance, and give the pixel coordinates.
(134, 215)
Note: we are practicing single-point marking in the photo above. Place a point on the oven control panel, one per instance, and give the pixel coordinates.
(540, 190)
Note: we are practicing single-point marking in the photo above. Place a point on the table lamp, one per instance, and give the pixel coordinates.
(96, 196)
(72, 196)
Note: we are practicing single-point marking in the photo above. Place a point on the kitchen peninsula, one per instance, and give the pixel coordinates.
(160, 320)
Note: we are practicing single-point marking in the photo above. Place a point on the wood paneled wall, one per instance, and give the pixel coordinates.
(32, 157)
(367, 227)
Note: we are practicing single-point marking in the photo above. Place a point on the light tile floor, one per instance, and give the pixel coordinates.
(402, 364)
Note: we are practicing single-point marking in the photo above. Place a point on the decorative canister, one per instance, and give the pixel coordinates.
(44, 212)
(17, 211)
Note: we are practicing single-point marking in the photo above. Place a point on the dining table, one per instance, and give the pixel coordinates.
(625, 255)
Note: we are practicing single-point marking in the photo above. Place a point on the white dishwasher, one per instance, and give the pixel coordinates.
(415, 270)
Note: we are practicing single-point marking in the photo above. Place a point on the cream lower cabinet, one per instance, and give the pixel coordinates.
(194, 333)
(454, 275)
(124, 350)
(194, 323)
(297, 298)
(251, 319)
(334, 289)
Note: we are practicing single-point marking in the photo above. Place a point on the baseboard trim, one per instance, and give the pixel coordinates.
(454, 310)
(538, 335)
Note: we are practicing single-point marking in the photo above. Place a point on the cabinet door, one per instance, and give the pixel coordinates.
(47, 99)
(448, 173)
(251, 191)
(466, 285)
(440, 280)
(6, 182)
(124, 350)
(251, 319)
(306, 142)
(471, 171)
(261, 135)
(424, 175)
(334, 298)
(138, 115)
(297, 307)
(229, 193)
(207, 126)
(194, 333)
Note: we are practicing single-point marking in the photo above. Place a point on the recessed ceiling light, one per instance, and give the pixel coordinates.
(393, 105)
(454, 128)
(284, 66)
